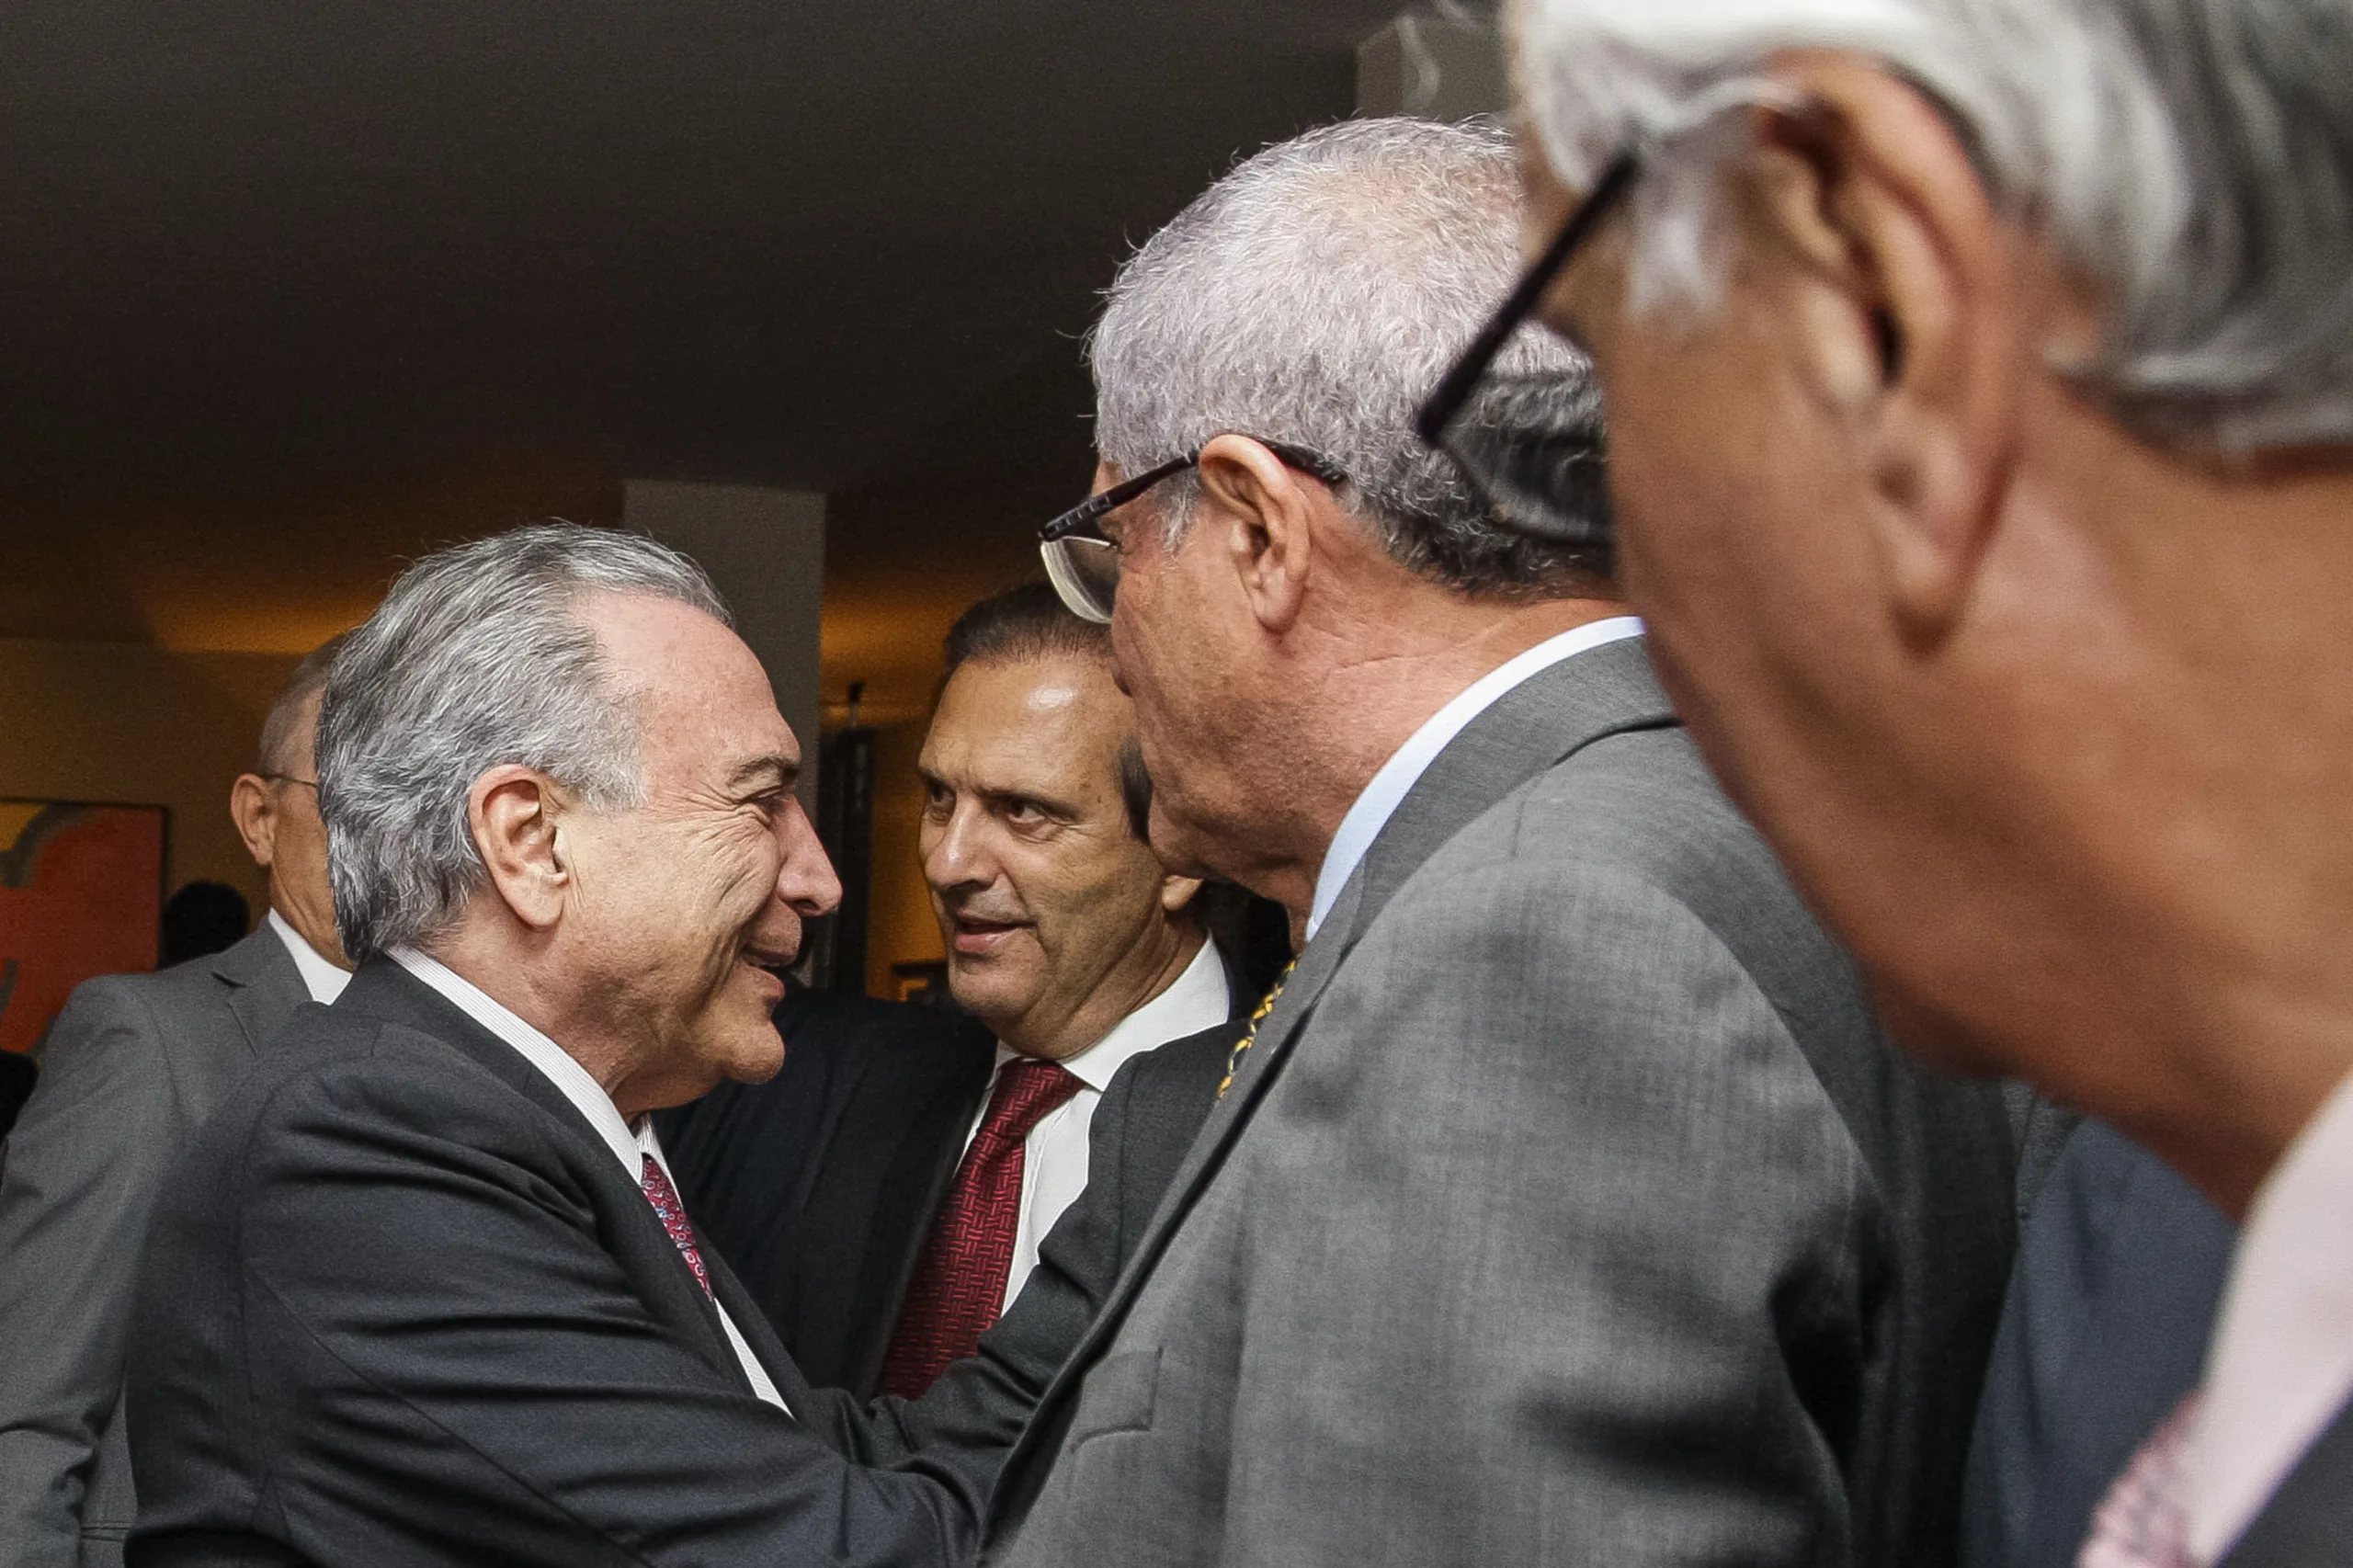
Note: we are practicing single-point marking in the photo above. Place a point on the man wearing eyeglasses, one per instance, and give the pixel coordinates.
(133, 1066)
(1989, 477)
(1565, 1205)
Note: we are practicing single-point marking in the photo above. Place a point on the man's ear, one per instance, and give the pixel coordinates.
(254, 811)
(511, 811)
(1177, 893)
(1905, 319)
(1261, 511)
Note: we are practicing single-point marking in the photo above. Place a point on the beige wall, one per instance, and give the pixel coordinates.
(900, 928)
(132, 725)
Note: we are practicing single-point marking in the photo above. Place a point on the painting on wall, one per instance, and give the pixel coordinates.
(81, 895)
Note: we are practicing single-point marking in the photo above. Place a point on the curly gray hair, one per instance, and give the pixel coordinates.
(1315, 296)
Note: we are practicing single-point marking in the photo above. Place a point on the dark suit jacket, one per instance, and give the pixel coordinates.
(1571, 1207)
(133, 1066)
(17, 1075)
(2120, 1273)
(401, 1305)
(2309, 1522)
(971, 1417)
(820, 1185)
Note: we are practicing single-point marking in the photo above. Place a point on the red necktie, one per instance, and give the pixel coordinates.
(959, 1284)
(665, 1199)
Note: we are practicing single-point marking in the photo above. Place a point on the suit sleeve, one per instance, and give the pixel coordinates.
(475, 1375)
(969, 1418)
(85, 1163)
(1594, 1210)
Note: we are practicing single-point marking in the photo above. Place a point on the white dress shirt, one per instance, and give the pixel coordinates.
(1406, 764)
(1053, 1157)
(322, 980)
(2281, 1365)
(629, 1144)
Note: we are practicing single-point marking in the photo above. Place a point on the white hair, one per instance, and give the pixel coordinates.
(2194, 157)
(476, 658)
(1314, 296)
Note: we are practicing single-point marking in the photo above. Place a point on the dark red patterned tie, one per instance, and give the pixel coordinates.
(665, 1199)
(959, 1284)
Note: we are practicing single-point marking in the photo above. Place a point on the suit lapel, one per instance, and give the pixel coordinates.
(264, 985)
(753, 1325)
(382, 988)
(1547, 718)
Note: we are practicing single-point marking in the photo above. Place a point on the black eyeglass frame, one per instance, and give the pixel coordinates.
(1444, 405)
(1082, 525)
(1080, 521)
(289, 779)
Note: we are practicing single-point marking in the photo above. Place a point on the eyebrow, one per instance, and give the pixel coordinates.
(997, 795)
(773, 770)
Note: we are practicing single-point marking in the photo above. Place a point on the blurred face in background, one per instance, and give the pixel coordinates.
(1057, 920)
(276, 814)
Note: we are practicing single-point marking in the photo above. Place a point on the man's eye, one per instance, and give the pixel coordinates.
(1023, 811)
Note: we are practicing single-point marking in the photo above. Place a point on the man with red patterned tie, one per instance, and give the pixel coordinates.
(884, 1197)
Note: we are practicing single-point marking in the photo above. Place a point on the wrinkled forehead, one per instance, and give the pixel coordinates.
(706, 714)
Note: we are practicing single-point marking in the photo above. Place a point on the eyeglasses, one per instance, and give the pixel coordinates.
(1084, 564)
(289, 779)
(1532, 453)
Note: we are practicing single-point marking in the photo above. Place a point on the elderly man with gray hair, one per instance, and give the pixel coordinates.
(1565, 1204)
(1981, 387)
(421, 1291)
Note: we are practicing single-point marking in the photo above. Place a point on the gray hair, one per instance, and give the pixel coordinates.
(278, 729)
(1315, 296)
(477, 658)
(2195, 157)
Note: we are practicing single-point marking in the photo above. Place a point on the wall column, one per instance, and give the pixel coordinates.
(765, 551)
(1434, 65)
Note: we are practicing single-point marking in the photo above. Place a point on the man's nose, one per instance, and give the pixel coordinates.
(959, 856)
(806, 879)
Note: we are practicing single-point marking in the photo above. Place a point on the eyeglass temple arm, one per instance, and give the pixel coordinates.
(1085, 514)
(1455, 390)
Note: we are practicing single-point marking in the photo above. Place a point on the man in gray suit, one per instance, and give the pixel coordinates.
(1566, 1206)
(133, 1066)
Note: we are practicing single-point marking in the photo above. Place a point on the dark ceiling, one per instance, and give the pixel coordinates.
(291, 286)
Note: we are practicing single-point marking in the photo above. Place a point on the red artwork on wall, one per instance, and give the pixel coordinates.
(81, 895)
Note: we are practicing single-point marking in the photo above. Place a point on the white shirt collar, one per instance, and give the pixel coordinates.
(2282, 1358)
(1406, 764)
(322, 980)
(556, 1063)
(1199, 998)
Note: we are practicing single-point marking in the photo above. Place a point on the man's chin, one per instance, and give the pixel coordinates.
(756, 1058)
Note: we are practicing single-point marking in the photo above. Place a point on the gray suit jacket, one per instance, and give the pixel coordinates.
(1571, 1207)
(134, 1065)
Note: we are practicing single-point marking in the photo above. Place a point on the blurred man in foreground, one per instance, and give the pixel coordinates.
(1981, 382)
(885, 1200)
(134, 1065)
(423, 1290)
(1565, 1206)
